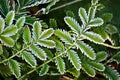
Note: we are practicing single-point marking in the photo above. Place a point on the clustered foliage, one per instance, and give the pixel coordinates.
(25, 42)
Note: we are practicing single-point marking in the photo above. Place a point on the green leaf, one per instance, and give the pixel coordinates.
(74, 72)
(20, 22)
(111, 29)
(107, 17)
(97, 66)
(74, 59)
(60, 65)
(1, 49)
(47, 43)
(73, 24)
(47, 33)
(53, 23)
(95, 22)
(2, 24)
(29, 58)
(36, 30)
(111, 74)
(59, 45)
(101, 56)
(91, 13)
(26, 35)
(49, 53)
(38, 52)
(116, 57)
(10, 31)
(70, 14)
(14, 67)
(96, 38)
(10, 18)
(86, 49)
(8, 41)
(94, 2)
(83, 15)
(90, 71)
(44, 70)
(64, 36)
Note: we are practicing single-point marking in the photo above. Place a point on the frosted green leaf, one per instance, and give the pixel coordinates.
(83, 15)
(90, 71)
(44, 70)
(64, 36)
(47, 43)
(14, 67)
(111, 29)
(29, 58)
(94, 2)
(74, 59)
(96, 38)
(95, 22)
(2, 24)
(10, 31)
(38, 52)
(8, 41)
(59, 44)
(107, 17)
(60, 65)
(36, 30)
(20, 22)
(74, 72)
(101, 56)
(86, 49)
(26, 35)
(73, 24)
(46, 33)
(10, 17)
(97, 66)
(91, 13)
(111, 74)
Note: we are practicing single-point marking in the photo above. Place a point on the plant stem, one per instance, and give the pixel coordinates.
(46, 62)
(64, 5)
(110, 46)
(15, 54)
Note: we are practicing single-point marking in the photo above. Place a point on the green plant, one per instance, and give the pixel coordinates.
(37, 48)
